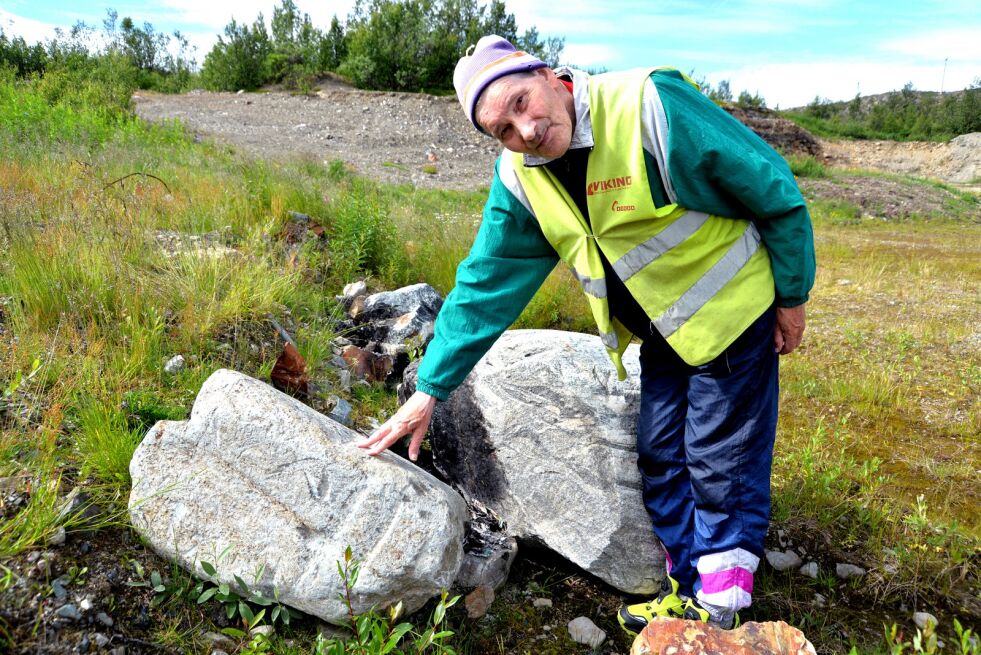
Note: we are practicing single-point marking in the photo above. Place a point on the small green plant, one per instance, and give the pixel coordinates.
(239, 603)
(375, 634)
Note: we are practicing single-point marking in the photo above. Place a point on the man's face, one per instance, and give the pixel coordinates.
(530, 114)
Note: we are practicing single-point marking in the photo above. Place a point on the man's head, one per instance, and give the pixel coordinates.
(515, 98)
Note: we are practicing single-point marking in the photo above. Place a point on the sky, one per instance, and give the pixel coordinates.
(788, 51)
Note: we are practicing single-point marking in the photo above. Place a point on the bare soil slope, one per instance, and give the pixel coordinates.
(391, 137)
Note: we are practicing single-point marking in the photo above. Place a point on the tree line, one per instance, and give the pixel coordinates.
(906, 114)
(404, 45)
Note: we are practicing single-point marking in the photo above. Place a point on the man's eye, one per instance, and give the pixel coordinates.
(505, 132)
(520, 102)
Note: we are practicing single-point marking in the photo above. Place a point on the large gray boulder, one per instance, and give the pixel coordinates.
(287, 489)
(542, 433)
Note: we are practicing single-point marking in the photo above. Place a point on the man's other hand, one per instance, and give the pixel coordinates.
(411, 418)
(789, 329)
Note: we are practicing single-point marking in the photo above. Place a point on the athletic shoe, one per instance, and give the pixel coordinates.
(633, 618)
(720, 617)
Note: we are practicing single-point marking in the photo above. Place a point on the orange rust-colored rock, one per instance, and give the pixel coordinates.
(667, 636)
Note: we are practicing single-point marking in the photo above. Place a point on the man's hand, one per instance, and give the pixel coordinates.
(412, 418)
(789, 329)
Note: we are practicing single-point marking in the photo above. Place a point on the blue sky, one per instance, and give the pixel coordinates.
(787, 50)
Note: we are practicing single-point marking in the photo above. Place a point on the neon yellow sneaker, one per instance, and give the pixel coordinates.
(633, 618)
(720, 617)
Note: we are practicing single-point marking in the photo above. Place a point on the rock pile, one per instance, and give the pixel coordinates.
(782, 134)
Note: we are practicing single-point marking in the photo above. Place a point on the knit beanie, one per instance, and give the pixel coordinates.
(492, 58)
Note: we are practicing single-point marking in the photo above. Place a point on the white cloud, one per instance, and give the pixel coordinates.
(31, 30)
(793, 84)
(957, 44)
(588, 55)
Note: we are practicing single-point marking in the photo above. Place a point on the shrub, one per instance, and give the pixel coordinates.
(238, 61)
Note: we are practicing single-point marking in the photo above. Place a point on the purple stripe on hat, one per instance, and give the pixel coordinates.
(713, 583)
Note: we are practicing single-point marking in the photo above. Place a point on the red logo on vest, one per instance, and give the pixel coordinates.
(611, 184)
(617, 207)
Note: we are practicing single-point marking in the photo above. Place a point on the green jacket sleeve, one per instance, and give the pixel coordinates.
(718, 165)
(508, 262)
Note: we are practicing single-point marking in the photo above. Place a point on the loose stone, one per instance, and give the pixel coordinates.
(542, 602)
(100, 640)
(584, 631)
(845, 571)
(174, 365)
(104, 619)
(921, 619)
(57, 538)
(69, 612)
(810, 570)
(783, 561)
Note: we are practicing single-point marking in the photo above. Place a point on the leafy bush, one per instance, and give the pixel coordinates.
(238, 61)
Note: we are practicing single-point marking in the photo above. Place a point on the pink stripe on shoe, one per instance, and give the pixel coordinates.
(713, 583)
(667, 556)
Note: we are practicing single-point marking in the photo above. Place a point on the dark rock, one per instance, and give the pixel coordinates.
(68, 611)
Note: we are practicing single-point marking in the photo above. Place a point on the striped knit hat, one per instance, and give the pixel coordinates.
(493, 57)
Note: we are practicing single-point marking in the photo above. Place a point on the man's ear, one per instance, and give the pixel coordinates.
(545, 72)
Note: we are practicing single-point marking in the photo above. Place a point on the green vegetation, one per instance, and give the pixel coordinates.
(903, 115)
(101, 283)
(137, 57)
(406, 45)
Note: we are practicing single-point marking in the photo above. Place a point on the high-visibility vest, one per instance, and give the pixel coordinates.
(701, 279)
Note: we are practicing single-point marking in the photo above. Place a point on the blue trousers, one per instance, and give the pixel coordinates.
(705, 448)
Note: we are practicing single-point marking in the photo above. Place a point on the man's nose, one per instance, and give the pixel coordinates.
(528, 129)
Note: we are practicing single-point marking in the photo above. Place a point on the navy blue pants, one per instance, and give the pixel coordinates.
(705, 448)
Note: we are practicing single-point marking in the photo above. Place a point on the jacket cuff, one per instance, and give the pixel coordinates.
(436, 392)
(792, 302)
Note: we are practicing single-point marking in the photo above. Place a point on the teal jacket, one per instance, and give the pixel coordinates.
(715, 165)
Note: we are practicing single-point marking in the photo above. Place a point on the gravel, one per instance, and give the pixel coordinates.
(388, 136)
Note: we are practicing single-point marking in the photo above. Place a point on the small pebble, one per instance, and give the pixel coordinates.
(104, 619)
(584, 631)
(175, 365)
(820, 601)
(810, 570)
(59, 591)
(57, 538)
(43, 567)
(69, 612)
(100, 639)
(845, 571)
(118, 650)
(783, 561)
(542, 602)
(85, 547)
(266, 630)
(85, 605)
(83, 645)
(921, 619)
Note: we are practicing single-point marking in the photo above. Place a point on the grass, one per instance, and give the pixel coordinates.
(877, 452)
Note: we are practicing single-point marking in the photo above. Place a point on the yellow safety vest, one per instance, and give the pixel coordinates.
(701, 279)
